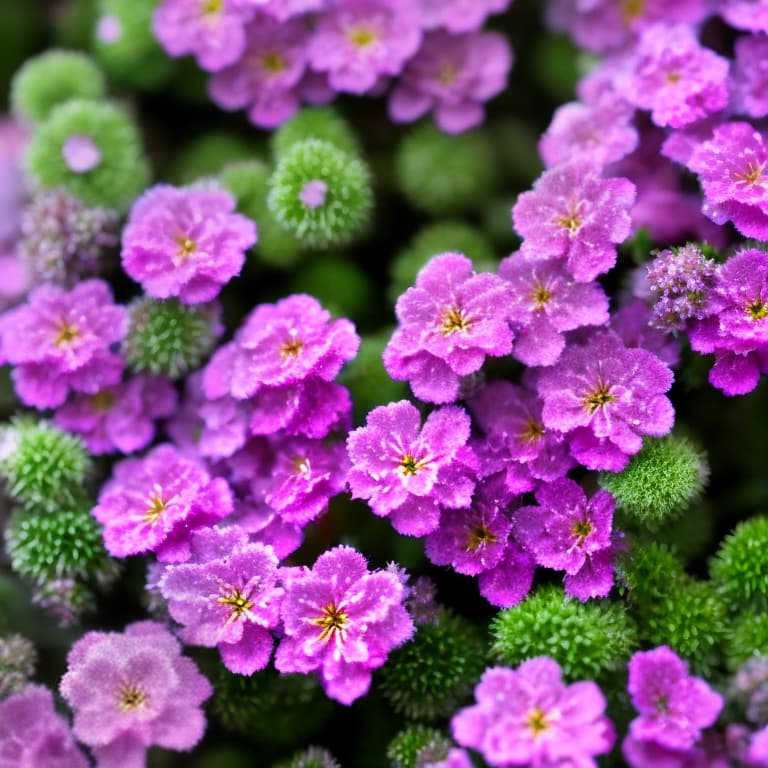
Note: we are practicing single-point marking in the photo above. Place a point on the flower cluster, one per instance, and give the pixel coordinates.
(271, 56)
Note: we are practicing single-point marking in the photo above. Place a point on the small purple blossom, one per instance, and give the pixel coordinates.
(313, 193)
(185, 242)
(529, 717)
(60, 341)
(674, 707)
(571, 533)
(458, 16)
(574, 213)
(749, 81)
(120, 418)
(449, 322)
(408, 472)
(357, 42)
(675, 78)
(545, 302)
(155, 503)
(605, 397)
(226, 596)
(453, 76)
(132, 690)
(341, 620)
(509, 581)
(80, 153)
(212, 30)
(32, 735)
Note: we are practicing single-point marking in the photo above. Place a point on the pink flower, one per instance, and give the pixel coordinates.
(185, 242)
(529, 717)
(749, 83)
(457, 16)
(132, 690)
(342, 621)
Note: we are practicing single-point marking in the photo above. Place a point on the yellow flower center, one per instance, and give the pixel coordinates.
(454, 320)
(480, 536)
(332, 621)
(361, 37)
(757, 310)
(537, 721)
(187, 247)
(447, 73)
(156, 505)
(533, 431)
(410, 466)
(66, 334)
(581, 529)
(752, 174)
(631, 9)
(673, 77)
(211, 7)
(541, 296)
(273, 63)
(599, 397)
(291, 348)
(237, 602)
(103, 401)
(132, 696)
(570, 220)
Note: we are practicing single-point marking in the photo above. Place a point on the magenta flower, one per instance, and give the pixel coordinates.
(265, 79)
(120, 418)
(408, 472)
(675, 78)
(634, 325)
(453, 76)
(674, 707)
(738, 333)
(509, 581)
(570, 533)
(605, 397)
(357, 42)
(732, 171)
(226, 596)
(185, 242)
(545, 302)
(529, 717)
(751, 15)
(212, 30)
(155, 503)
(286, 9)
(749, 79)
(60, 341)
(457, 16)
(603, 132)
(32, 735)
(575, 214)
(132, 690)
(341, 620)
(449, 322)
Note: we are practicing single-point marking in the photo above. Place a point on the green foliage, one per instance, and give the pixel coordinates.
(438, 238)
(312, 757)
(168, 337)
(248, 181)
(53, 78)
(208, 155)
(125, 46)
(417, 745)
(431, 676)
(649, 571)
(122, 172)
(44, 468)
(660, 481)
(348, 196)
(269, 707)
(315, 123)
(444, 174)
(740, 567)
(586, 639)
(747, 638)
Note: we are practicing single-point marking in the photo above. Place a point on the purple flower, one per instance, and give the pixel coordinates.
(673, 706)
(132, 690)
(574, 213)
(61, 340)
(509, 581)
(546, 301)
(226, 596)
(286, 9)
(13, 140)
(603, 132)
(341, 620)
(732, 171)
(458, 16)
(120, 418)
(528, 716)
(156, 502)
(605, 397)
(634, 325)
(749, 80)
(408, 472)
(185, 242)
(449, 322)
(677, 79)
(571, 533)
(32, 735)
(751, 15)
(738, 332)
(212, 30)
(265, 79)
(453, 76)
(357, 42)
